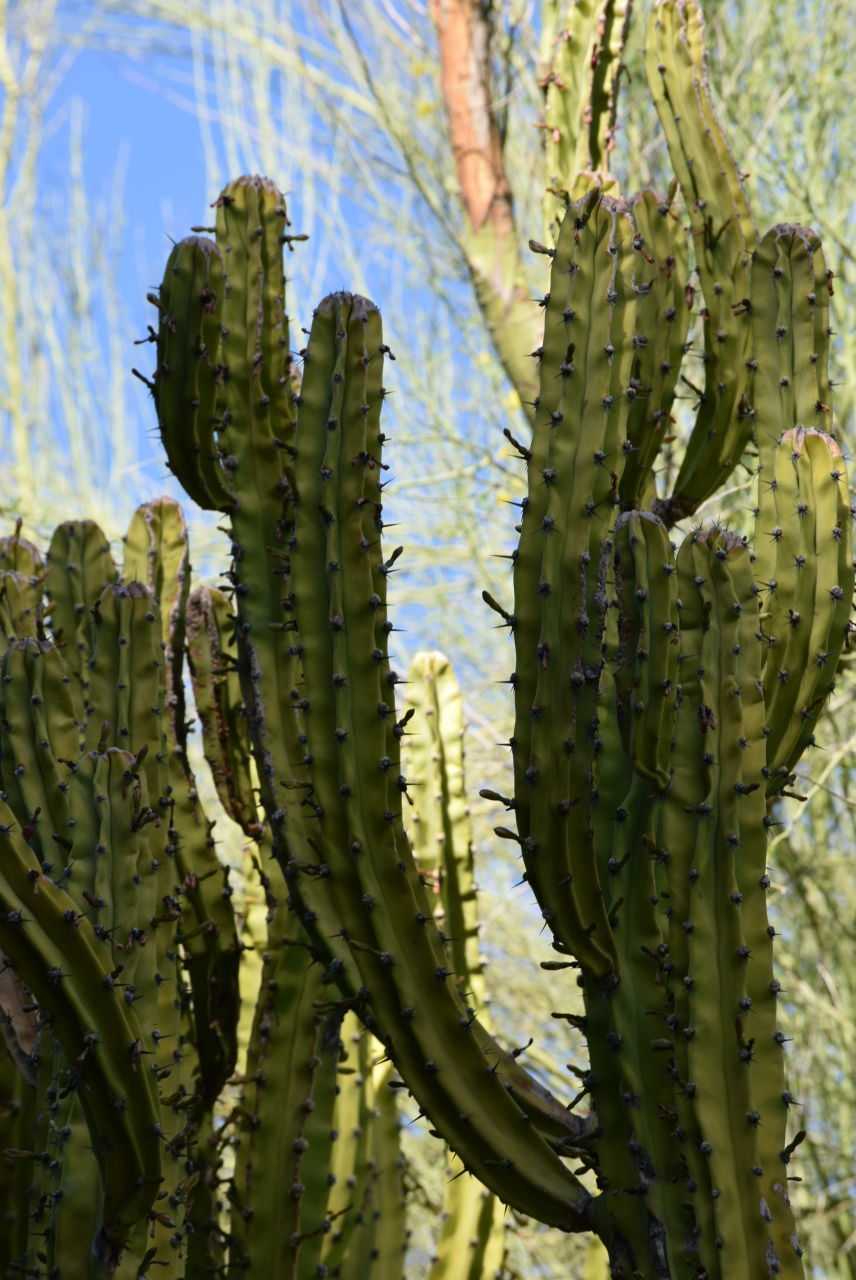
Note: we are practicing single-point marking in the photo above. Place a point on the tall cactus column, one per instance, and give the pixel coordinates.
(309, 577)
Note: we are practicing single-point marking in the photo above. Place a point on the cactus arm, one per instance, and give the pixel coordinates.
(660, 343)
(17, 1167)
(472, 1238)
(560, 567)
(789, 363)
(647, 664)
(156, 555)
(802, 531)
(21, 556)
(258, 418)
(321, 1136)
(22, 574)
(20, 605)
(442, 832)
(351, 1174)
(806, 598)
(188, 379)
(390, 1231)
(472, 1217)
(723, 239)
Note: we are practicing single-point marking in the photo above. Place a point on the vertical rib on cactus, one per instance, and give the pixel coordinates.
(723, 240)
(660, 341)
(561, 566)
(80, 566)
(581, 48)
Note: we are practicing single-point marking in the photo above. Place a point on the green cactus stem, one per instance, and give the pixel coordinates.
(723, 241)
(662, 325)
(561, 565)
(57, 955)
(581, 48)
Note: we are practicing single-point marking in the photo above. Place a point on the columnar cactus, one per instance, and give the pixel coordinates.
(653, 719)
(663, 696)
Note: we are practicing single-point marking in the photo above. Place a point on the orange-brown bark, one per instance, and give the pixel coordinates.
(465, 83)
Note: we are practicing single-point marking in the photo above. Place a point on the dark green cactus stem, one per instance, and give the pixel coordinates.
(188, 381)
(19, 1031)
(723, 241)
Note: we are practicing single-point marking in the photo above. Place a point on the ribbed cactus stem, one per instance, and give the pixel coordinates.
(562, 563)
(723, 241)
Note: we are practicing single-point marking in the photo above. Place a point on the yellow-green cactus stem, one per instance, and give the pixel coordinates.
(714, 832)
(723, 240)
(212, 664)
(443, 847)
(562, 562)
(660, 343)
(581, 50)
(79, 567)
(157, 555)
